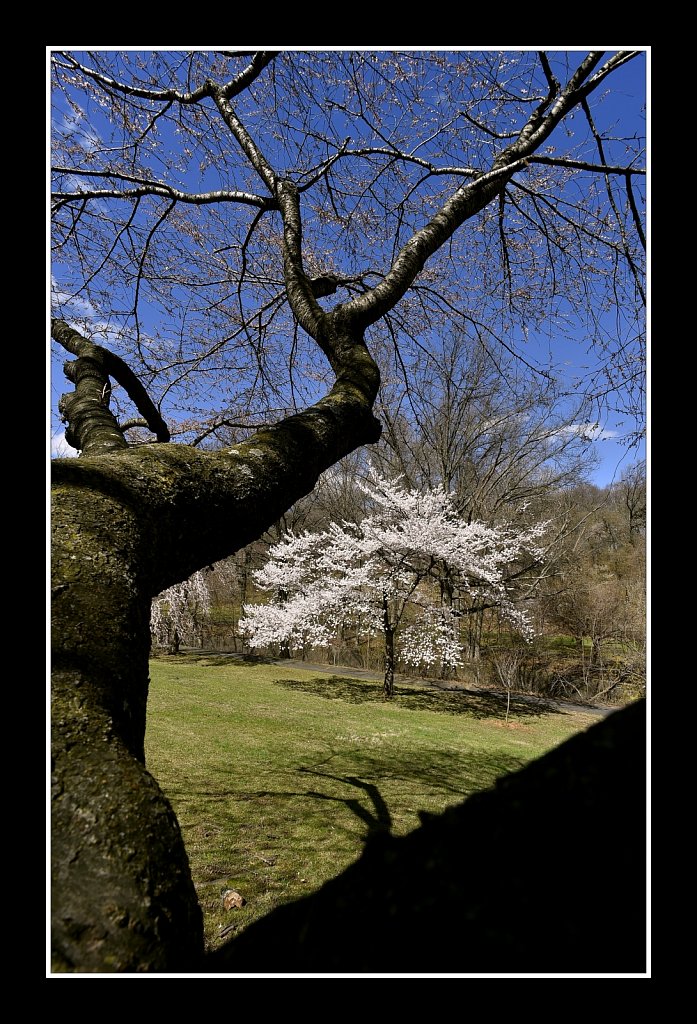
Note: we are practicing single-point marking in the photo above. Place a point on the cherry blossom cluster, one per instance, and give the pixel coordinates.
(179, 609)
(367, 576)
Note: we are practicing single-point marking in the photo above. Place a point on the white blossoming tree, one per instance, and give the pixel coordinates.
(368, 575)
(177, 613)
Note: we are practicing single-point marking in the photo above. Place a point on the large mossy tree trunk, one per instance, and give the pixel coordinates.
(126, 524)
(122, 896)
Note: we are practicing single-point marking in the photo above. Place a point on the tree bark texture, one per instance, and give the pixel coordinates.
(126, 525)
(122, 896)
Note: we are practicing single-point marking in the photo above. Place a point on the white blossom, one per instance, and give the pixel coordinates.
(393, 561)
(177, 613)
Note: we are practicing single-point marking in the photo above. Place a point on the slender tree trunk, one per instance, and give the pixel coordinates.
(446, 600)
(475, 626)
(388, 684)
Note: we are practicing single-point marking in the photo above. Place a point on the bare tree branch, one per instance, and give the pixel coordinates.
(584, 165)
(635, 213)
(620, 224)
(154, 188)
(242, 81)
(246, 142)
(552, 80)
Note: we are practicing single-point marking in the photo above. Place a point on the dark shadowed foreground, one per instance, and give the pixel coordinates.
(545, 873)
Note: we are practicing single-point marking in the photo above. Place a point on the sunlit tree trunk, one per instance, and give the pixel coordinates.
(388, 630)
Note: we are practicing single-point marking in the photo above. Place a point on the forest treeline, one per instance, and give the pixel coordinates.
(585, 600)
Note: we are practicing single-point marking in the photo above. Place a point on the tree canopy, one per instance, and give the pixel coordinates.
(212, 208)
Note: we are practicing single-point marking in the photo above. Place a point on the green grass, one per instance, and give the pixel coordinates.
(279, 776)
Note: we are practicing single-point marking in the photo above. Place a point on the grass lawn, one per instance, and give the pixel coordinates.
(279, 775)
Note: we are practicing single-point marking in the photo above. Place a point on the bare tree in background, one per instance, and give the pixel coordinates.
(469, 422)
(233, 234)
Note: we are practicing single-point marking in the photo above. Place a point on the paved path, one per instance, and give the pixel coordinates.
(598, 710)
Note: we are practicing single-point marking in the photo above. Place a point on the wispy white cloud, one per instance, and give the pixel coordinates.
(80, 308)
(76, 305)
(74, 127)
(589, 431)
(60, 449)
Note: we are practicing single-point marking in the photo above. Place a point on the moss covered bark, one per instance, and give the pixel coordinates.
(122, 896)
(127, 524)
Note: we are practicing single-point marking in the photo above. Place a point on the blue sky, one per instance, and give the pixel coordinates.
(632, 80)
(628, 82)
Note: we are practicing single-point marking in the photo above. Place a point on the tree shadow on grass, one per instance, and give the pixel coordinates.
(482, 888)
(211, 659)
(457, 773)
(360, 780)
(474, 703)
(377, 820)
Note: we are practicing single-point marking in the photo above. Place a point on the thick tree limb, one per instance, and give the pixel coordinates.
(59, 199)
(142, 519)
(91, 427)
(135, 520)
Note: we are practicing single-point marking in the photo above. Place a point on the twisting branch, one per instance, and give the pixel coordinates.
(92, 428)
(136, 423)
